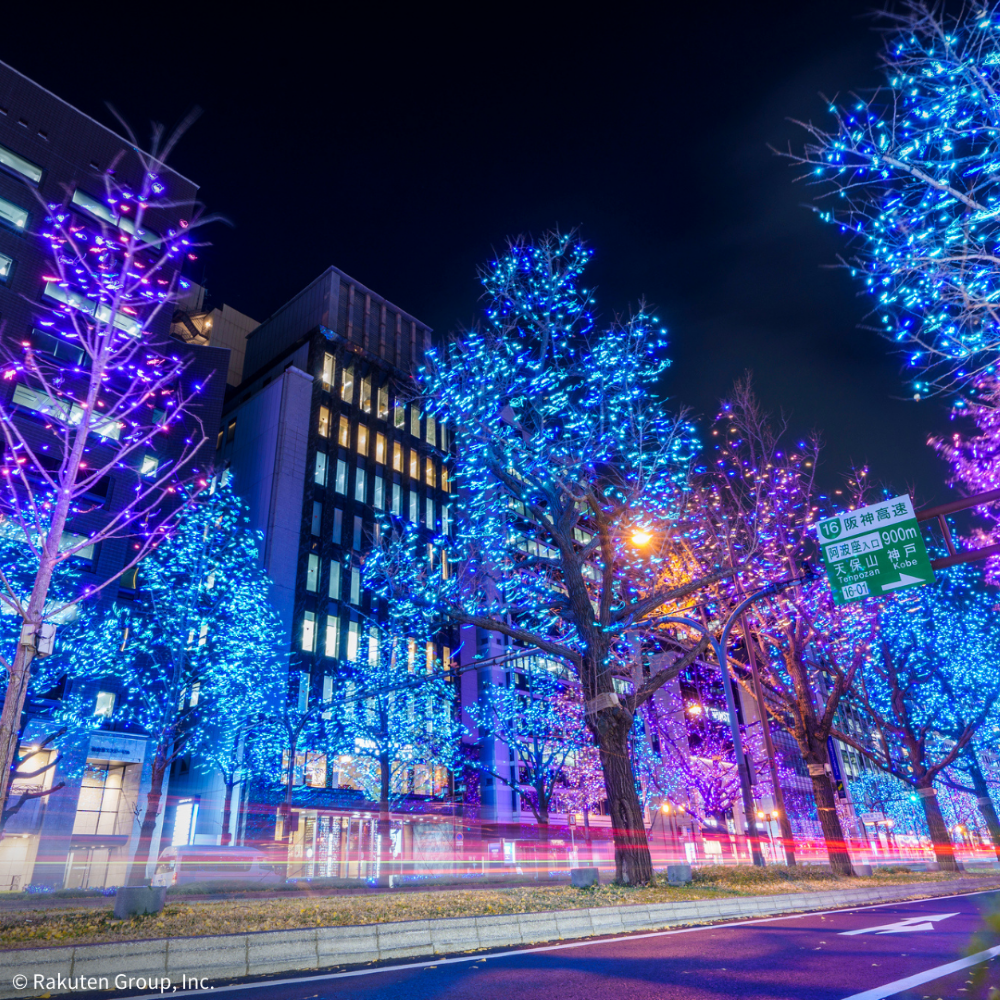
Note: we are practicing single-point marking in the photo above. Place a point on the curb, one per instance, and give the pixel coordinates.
(147, 963)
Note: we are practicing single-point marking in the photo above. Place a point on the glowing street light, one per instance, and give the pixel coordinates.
(640, 537)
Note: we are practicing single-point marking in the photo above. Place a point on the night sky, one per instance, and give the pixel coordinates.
(403, 147)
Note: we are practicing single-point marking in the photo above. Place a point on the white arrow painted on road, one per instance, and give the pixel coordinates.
(904, 581)
(903, 926)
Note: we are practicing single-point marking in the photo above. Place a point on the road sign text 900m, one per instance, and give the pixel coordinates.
(899, 534)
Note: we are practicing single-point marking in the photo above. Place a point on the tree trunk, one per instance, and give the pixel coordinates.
(944, 851)
(384, 829)
(633, 864)
(829, 821)
(543, 815)
(227, 809)
(985, 803)
(13, 706)
(137, 872)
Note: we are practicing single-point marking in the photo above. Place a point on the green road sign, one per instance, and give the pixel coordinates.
(874, 551)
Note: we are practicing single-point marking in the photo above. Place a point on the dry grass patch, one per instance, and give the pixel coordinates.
(45, 926)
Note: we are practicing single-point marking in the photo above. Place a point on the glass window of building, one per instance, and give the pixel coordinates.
(414, 421)
(303, 706)
(356, 587)
(334, 581)
(352, 641)
(379, 499)
(341, 484)
(6, 263)
(319, 476)
(414, 507)
(331, 647)
(315, 769)
(362, 439)
(397, 499)
(359, 485)
(328, 680)
(185, 822)
(383, 402)
(445, 520)
(380, 449)
(444, 437)
(430, 513)
(399, 415)
(327, 375)
(324, 421)
(338, 525)
(18, 165)
(312, 573)
(366, 395)
(414, 464)
(397, 456)
(317, 518)
(356, 542)
(308, 632)
(431, 430)
(429, 476)
(150, 463)
(373, 647)
(105, 704)
(347, 385)
(13, 215)
(344, 432)
(445, 481)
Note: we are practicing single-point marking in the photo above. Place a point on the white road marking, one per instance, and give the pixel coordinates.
(583, 943)
(902, 926)
(890, 989)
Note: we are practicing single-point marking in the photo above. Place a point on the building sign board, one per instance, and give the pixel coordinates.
(114, 746)
(874, 551)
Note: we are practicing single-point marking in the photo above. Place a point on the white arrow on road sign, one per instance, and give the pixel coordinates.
(904, 581)
(925, 923)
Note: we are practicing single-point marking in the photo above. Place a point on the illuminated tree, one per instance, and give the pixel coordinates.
(105, 387)
(759, 501)
(931, 688)
(199, 646)
(565, 448)
(542, 723)
(910, 172)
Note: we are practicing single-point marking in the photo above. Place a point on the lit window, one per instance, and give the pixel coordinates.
(324, 421)
(185, 821)
(359, 485)
(429, 472)
(56, 347)
(13, 215)
(80, 302)
(328, 684)
(430, 657)
(319, 476)
(196, 687)
(303, 706)
(19, 165)
(105, 703)
(373, 647)
(414, 421)
(71, 540)
(150, 463)
(430, 513)
(334, 582)
(347, 385)
(316, 769)
(445, 481)
(344, 432)
(309, 632)
(231, 431)
(399, 415)
(106, 214)
(380, 449)
(341, 484)
(397, 456)
(362, 439)
(312, 573)
(331, 647)
(366, 395)
(352, 641)
(445, 520)
(397, 499)
(383, 402)
(99, 801)
(6, 263)
(63, 411)
(414, 465)
(317, 517)
(379, 501)
(444, 438)
(431, 430)
(356, 586)
(411, 655)
(327, 375)
(414, 506)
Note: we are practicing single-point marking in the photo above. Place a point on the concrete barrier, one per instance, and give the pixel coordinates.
(231, 956)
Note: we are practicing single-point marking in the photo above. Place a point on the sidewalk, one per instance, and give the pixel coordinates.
(260, 953)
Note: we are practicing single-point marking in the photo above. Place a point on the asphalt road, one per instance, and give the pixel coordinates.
(903, 950)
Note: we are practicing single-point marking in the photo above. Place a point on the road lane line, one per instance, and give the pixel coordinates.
(583, 943)
(890, 989)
